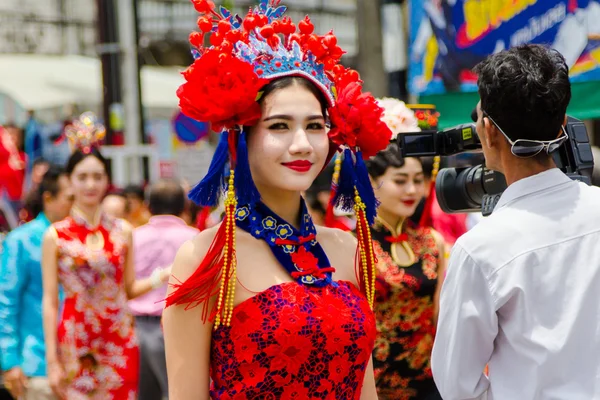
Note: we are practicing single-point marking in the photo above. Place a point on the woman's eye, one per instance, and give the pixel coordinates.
(419, 181)
(315, 127)
(278, 126)
(400, 182)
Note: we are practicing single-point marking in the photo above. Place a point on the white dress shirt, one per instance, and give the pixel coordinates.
(522, 294)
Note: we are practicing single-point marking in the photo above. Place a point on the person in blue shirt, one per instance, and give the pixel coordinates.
(22, 349)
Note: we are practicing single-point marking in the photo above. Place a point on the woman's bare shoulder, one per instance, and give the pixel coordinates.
(336, 237)
(340, 247)
(192, 252)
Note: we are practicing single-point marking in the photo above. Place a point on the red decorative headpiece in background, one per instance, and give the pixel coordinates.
(85, 133)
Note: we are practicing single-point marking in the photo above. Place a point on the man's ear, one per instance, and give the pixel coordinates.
(490, 133)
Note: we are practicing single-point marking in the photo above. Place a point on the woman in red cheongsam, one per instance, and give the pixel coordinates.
(267, 305)
(94, 352)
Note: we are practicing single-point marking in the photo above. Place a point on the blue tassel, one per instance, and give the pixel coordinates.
(246, 191)
(208, 191)
(365, 189)
(344, 196)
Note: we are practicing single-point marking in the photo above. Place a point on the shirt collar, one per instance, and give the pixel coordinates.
(532, 184)
(166, 220)
(43, 219)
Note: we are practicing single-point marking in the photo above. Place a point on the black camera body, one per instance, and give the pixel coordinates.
(476, 188)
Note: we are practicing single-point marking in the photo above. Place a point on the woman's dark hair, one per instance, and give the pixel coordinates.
(526, 91)
(321, 184)
(34, 201)
(78, 156)
(380, 162)
(288, 81)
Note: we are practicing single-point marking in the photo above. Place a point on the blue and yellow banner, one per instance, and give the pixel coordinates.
(449, 37)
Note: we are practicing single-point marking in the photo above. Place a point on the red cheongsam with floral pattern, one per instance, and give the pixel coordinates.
(404, 311)
(96, 340)
(294, 341)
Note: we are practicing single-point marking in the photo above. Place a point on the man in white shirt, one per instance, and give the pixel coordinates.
(522, 291)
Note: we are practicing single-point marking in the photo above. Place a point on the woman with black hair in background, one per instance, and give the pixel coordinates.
(410, 270)
(93, 354)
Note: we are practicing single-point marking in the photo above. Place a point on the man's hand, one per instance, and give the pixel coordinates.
(15, 382)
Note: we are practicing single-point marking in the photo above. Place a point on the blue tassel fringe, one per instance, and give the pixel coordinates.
(246, 191)
(365, 189)
(210, 188)
(344, 196)
(354, 174)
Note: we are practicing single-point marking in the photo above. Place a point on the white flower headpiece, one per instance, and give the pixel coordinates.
(398, 117)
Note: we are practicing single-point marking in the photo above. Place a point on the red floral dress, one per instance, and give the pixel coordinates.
(294, 341)
(404, 312)
(96, 341)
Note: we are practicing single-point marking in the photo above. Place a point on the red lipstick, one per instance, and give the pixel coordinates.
(409, 203)
(299, 165)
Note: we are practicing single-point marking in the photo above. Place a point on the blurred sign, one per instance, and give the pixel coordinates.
(449, 37)
(193, 161)
(167, 169)
(188, 130)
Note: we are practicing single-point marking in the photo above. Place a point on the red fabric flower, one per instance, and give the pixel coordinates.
(253, 373)
(247, 320)
(338, 367)
(293, 319)
(305, 260)
(295, 391)
(356, 120)
(221, 89)
(289, 353)
(246, 348)
(337, 340)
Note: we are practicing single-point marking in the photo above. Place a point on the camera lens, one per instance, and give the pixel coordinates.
(463, 189)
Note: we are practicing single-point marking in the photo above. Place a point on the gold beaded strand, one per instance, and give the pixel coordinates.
(367, 254)
(228, 278)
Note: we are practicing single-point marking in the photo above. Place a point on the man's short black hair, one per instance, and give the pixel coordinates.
(526, 91)
(136, 191)
(166, 198)
(34, 201)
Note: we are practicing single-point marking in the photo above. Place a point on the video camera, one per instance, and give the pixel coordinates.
(476, 188)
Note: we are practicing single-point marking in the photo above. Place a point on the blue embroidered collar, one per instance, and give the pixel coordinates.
(296, 250)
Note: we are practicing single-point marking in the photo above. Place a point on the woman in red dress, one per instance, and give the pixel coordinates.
(94, 352)
(410, 270)
(266, 304)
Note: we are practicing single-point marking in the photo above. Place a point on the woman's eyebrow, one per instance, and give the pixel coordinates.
(290, 118)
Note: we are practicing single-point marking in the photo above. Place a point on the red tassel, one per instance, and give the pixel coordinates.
(204, 282)
(217, 267)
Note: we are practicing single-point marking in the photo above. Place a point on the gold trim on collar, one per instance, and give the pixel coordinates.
(92, 225)
(393, 246)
